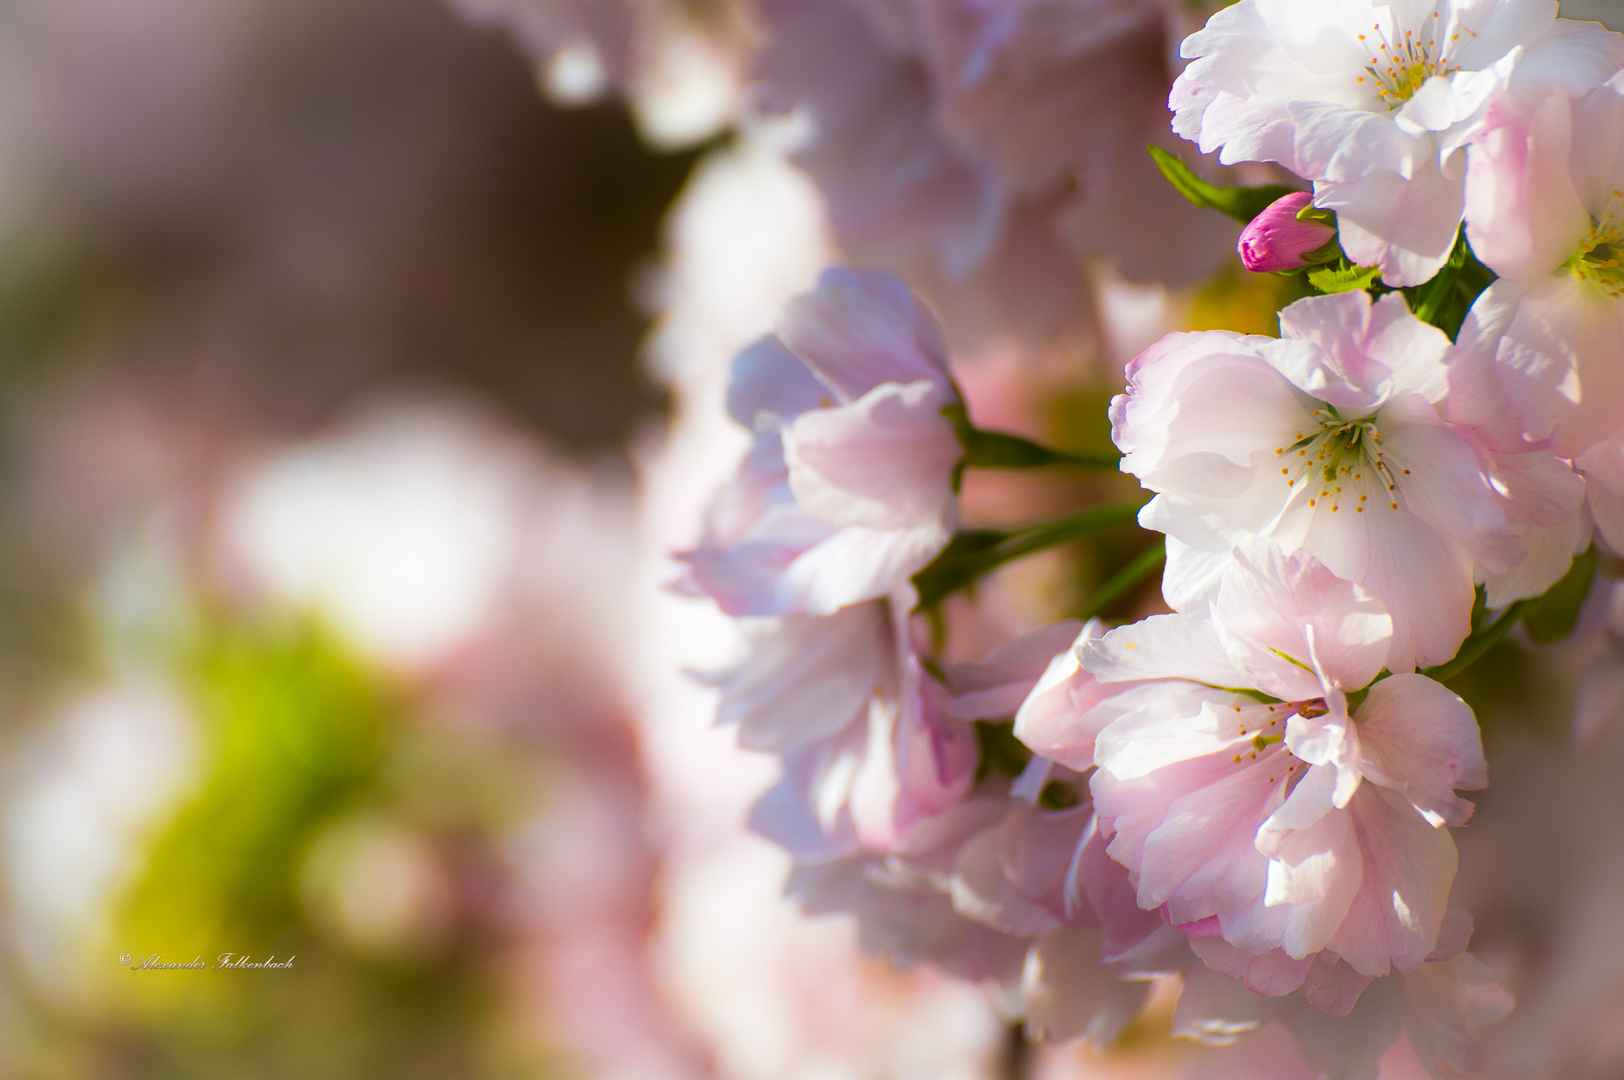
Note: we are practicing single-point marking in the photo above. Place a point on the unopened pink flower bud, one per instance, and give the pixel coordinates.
(1277, 240)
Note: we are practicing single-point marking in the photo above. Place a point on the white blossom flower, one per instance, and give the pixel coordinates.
(1253, 803)
(1331, 439)
(848, 489)
(1543, 347)
(1372, 101)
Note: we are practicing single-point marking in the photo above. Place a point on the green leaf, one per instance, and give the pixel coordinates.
(1241, 203)
(1341, 279)
(1552, 616)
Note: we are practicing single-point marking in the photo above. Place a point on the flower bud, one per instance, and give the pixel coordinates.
(1278, 240)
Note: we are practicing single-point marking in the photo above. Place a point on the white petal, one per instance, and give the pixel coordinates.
(1427, 741)
(1405, 227)
(859, 329)
(807, 677)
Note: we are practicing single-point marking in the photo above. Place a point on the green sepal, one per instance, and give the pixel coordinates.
(1343, 278)
(1241, 203)
(1317, 213)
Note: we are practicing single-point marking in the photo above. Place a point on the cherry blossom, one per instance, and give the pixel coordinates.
(1332, 439)
(1543, 346)
(1254, 804)
(847, 490)
(1442, 1007)
(868, 751)
(1373, 102)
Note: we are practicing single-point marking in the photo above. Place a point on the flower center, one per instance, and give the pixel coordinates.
(1340, 464)
(1260, 734)
(1600, 258)
(1399, 66)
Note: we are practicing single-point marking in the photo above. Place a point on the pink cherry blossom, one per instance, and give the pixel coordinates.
(1543, 346)
(1441, 1007)
(1373, 102)
(1254, 804)
(848, 488)
(984, 151)
(868, 751)
(1332, 439)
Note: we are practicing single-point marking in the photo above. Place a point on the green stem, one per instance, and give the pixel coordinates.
(975, 553)
(1126, 578)
(1478, 644)
(998, 450)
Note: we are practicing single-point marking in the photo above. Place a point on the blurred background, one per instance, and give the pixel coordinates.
(344, 347)
(319, 366)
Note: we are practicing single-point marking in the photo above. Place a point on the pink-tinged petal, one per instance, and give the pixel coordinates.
(743, 574)
(1069, 994)
(883, 462)
(1448, 1003)
(1607, 510)
(997, 685)
(1598, 146)
(768, 378)
(860, 329)
(909, 926)
(1405, 227)
(1577, 56)
(1453, 936)
(1283, 602)
(1201, 859)
(1348, 1047)
(806, 677)
(807, 812)
(935, 756)
(1173, 723)
(1559, 359)
(1336, 143)
(1427, 742)
(1162, 647)
(1194, 573)
(1332, 986)
(1332, 740)
(981, 890)
(1272, 973)
(1037, 850)
(1217, 1010)
(1427, 586)
(856, 564)
(1198, 407)
(1408, 867)
(1523, 215)
(1363, 353)
(1050, 720)
(1417, 354)
(1315, 869)
(1548, 554)
(1139, 943)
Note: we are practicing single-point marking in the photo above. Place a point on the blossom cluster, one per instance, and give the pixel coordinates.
(1256, 790)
